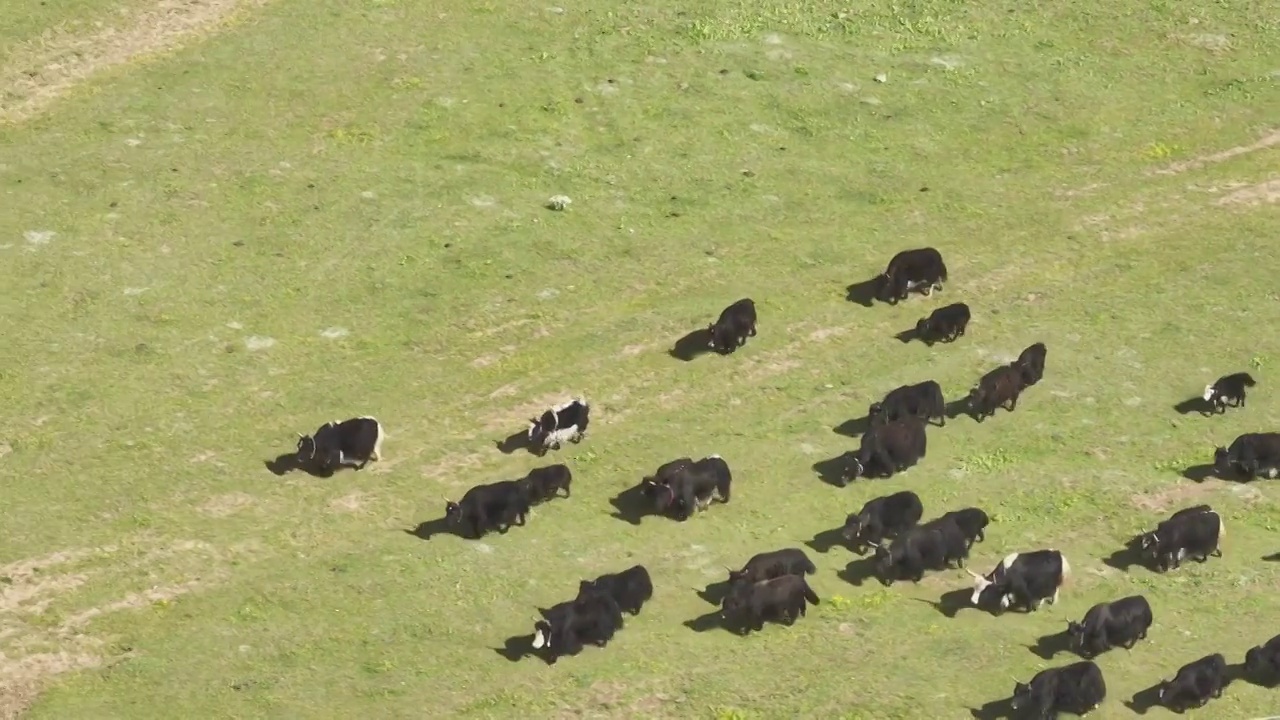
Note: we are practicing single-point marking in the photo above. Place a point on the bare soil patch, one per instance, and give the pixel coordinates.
(1261, 194)
(37, 643)
(1270, 139)
(228, 504)
(349, 503)
(1174, 498)
(41, 71)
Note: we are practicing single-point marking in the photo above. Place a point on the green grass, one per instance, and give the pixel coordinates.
(381, 167)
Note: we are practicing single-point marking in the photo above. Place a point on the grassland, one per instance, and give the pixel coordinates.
(330, 208)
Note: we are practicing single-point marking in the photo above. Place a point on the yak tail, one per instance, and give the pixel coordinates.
(810, 595)
(1066, 568)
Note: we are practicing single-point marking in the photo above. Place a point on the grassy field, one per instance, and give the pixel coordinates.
(303, 211)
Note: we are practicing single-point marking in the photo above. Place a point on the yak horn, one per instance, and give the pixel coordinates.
(974, 574)
(874, 545)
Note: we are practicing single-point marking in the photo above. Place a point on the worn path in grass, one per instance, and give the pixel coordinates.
(330, 210)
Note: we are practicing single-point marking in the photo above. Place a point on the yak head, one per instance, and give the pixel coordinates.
(1222, 461)
(986, 588)
(1021, 695)
(452, 510)
(1075, 632)
(541, 635)
(974, 398)
(856, 468)
(306, 449)
(883, 564)
(884, 287)
(875, 410)
(1149, 542)
(852, 527)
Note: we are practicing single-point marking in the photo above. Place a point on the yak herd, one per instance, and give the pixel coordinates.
(772, 586)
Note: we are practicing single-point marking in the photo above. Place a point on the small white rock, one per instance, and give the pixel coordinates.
(38, 237)
(559, 202)
(882, 78)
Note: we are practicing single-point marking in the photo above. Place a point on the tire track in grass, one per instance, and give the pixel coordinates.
(40, 72)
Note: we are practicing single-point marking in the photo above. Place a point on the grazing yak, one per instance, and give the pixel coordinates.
(882, 517)
(1251, 455)
(683, 487)
(1077, 688)
(567, 627)
(1195, 684)
(544, 483)
(931, 546)
(735, 324)
(566, 421)
(972, 522)
(944, 324)
(496, 506)
(769, 565)
(1027, 579)
(1031, 364)
(998, 388)
(923, 400)
(1195, 532)
(1106, 625)
(1228, 390)
(887, 449)
(783, 598)
(630, 589)
(354, 443)
(921, 268)
(1262, 662)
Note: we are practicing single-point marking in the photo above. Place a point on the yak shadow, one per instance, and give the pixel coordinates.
(957, 408)
(1195, 404)
(994, 710)
(692, 345)
(517, 648)
(863, 293)
(1144, 700)
(431, 528)
(707, 622)
(906, 336)
(1273, 557)
(833, 471)
(1200, 473)
(1128, 556)
(517, 441)
(856, 427)
(824, 541)
(951, 602)
(715, 592)
(858, 572)
(631, 505)
(1048, 646)
(288, 462)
